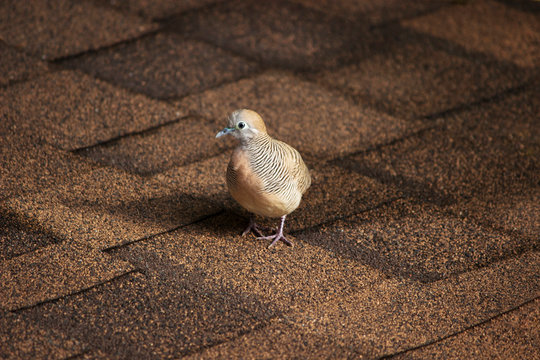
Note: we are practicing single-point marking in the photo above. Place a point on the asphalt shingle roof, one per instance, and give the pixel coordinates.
(418, 239)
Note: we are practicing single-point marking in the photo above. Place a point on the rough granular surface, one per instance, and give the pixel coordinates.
(17, 66)
(165, 65)
(419, 237)
(52, 29)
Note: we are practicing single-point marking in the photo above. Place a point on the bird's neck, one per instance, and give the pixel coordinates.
(261, 140)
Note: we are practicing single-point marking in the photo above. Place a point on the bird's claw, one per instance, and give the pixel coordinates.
(256, 229)
(275, 238)
(252, 228)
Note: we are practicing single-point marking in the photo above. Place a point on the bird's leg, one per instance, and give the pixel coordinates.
(278, 236)
(252, 227)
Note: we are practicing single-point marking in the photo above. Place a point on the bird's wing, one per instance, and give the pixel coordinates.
(297, 168)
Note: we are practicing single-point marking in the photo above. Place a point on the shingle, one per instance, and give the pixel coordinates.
(17, 239)
(206, 177)
(415, 75)
(513, 335)
(17, 66)
(93, 354)
(164, 65)
(55, 271)
(417, 241)
(188, 140)
(158, 9)
(166, 313)
(23, 339)
(56, 28)
(516, 212)
(71, 110)
(276, 32)
(27, 165)
(278, 340)
(373, 11)
(487, 149)
(486, 26)
(338, 193)
(107, 208)
(392, 316)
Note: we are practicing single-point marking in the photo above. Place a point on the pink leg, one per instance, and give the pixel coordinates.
(252, 227)
(278, 236)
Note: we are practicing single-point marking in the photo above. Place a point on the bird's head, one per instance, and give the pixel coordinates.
(244, 124)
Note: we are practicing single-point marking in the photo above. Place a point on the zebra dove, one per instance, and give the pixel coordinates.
(266, 176)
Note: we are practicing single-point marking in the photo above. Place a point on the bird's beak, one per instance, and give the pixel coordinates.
(224, 132)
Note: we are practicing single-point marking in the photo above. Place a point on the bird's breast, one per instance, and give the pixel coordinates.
(247, 187)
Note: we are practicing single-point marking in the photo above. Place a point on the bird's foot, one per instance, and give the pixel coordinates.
(277, 237)
(253, 227)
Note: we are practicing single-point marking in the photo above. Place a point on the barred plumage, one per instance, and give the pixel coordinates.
(266, 176)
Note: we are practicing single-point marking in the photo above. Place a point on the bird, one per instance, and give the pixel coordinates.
(265, 176)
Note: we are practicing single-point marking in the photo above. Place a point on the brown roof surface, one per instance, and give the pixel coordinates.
(52, 29)
(418, 239)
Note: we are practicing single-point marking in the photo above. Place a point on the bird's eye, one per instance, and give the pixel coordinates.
(241, 125)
